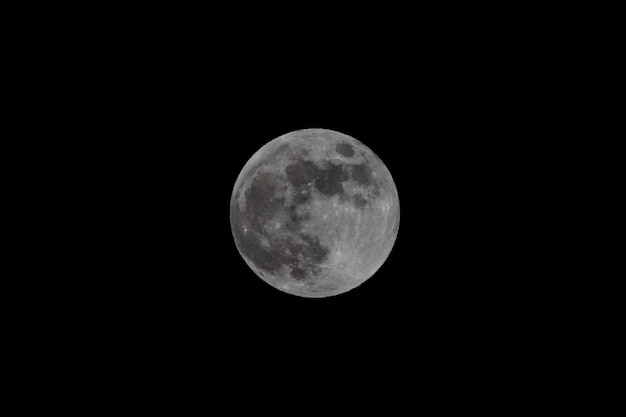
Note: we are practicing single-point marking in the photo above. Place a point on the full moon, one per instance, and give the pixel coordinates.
(314, 213)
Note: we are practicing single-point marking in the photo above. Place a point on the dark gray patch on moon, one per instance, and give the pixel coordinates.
(251, 242)
(307, 257)
(327, 180)
(299, 273)
(297, 212)
(301, 197)
(261, 203)
(330, 180)
(362, 174)
(345, 149)
(301, 172)
(359, 201)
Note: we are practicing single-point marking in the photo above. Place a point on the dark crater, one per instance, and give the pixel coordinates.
(345, 149)
(359, 201)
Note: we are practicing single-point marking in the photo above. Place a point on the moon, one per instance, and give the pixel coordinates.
(314, 213)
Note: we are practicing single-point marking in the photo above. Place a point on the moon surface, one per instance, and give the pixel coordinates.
(314, 213)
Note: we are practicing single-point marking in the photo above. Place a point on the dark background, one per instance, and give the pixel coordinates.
(157, 119)
(450, 130)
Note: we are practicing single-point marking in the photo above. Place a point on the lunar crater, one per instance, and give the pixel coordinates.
(345, 149)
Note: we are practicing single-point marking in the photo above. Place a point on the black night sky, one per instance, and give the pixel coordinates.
(175, 124)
